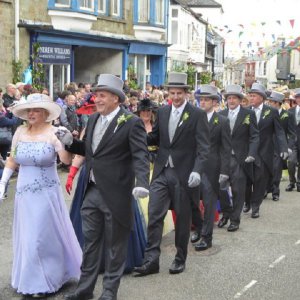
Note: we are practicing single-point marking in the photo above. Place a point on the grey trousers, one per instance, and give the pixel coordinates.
(100, 228)
(165, 190)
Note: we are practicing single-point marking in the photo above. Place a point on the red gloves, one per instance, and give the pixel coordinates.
(72, 173)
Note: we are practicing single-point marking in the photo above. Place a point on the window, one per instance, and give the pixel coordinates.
(86, 4)
(115, 9)
(174, 13)
(102, 6)
(64, 3)
(143, 11)
(265, 68)
(174, 39)
(159, 12)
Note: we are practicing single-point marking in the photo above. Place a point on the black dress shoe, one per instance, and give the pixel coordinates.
(79, 296)
(176, 267)
(147, 268)
(246, 208)
(290, 187)
(233, 227)
(298, 188)
(255, 215)
(222, 222)
(195, 237)
(203, 245)
(275, 198)
(266, 195)
(108, 295)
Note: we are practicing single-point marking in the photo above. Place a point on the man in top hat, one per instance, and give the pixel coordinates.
(268, 124)
(115, 150)
(244, 142)
(216, 171)
(181, 133)
(295, 157)
(288, 124)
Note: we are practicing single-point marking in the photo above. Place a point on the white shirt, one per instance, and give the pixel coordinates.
(179, 109)
(110, 116)
(209, 115)
(258, 111)
(235, 111)
(280, 110)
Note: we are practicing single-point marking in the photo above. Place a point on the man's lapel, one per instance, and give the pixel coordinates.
(182, 123)
(165, 122)
(110, 131)
(211, 123)
(91, 130)
(239, 120)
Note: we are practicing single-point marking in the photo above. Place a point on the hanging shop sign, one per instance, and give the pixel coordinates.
(55, 53)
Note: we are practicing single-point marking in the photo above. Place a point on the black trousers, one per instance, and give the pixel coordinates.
(209, 197)
(100, 228)
(277, 174)
(293, 161)
(255, 192)
(238, 180)
(166, 190)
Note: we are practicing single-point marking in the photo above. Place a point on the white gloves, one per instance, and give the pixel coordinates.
(140, 192)
(194, 179)
(223, 181)
(7, 172)
(284, 155)
(249, 159)
(64, 135)
(290, 151)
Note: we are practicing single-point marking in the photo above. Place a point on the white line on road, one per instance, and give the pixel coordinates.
(298, 242)
(245, 289)
(279, 259)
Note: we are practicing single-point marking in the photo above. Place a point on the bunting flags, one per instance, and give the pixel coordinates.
(240, 33)
(279, 22)
(292, 23)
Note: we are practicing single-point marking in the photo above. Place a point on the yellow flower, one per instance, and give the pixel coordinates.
(247, 120)
(122, 119)
(185, 116)
(284, 116)
(216, 121)
(266, 113)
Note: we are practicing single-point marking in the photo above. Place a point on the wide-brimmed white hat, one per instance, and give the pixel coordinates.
(112, 84)
(37, 101)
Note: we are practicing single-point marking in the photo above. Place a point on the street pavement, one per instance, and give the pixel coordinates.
(260, 261)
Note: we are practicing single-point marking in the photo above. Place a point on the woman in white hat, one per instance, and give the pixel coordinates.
(46, 251)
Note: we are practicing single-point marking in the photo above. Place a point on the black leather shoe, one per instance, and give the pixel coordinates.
(223, 221)
(298, 188)
(176, 267)
(275, 198)
(233, 227)
(147, 268)
(290, 187)
(79, 296)
(195, 237)
(203, 245)
(255, 215)
(246, 208)
(266, 195)
(108, 295)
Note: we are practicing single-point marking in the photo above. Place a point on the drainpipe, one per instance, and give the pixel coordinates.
(17, 33)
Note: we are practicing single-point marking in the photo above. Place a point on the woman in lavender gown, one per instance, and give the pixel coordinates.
(46, 251)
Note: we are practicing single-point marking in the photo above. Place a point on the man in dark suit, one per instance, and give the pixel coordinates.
(216, 171)
(115, 150)
(295, 157)
(182, 135)
(244, 141)
(288, 124)
(268, 125)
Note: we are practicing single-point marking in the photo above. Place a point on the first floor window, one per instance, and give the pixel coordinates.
(143, 11)
(102, 6)
(159, 11)
(115, 7)
(62, 3)
(86, 4)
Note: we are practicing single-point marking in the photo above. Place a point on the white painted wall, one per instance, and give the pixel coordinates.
(295, 63)
(90, 62)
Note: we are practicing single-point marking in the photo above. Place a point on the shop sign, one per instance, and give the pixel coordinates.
(55, 53)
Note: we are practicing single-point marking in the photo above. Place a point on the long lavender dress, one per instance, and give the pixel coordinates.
(46, 251)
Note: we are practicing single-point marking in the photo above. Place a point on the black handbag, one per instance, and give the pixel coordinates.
(5, 136)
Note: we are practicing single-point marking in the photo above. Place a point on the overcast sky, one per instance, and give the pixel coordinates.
(245, 23)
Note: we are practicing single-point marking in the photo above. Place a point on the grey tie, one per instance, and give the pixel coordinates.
(99, 131)
(173, 121)
(232, 118)
(298, 117)
(257, 113)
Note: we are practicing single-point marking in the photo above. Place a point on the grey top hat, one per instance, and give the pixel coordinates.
(111, 83)
(258, 88)
(275, 96)
(209, 91)
(234, 89)
(297, 92)
(178, 80)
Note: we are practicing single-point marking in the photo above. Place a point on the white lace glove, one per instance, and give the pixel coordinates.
(140, 192)
(64, 135)
(223, 181)
(194, 179)
(249, 159)
(7, 172)
(284, 155)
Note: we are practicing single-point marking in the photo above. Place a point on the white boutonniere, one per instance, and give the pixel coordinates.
(184, 118)
(247, 120)
(284, 116)
(122, 119)
(266, 113)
